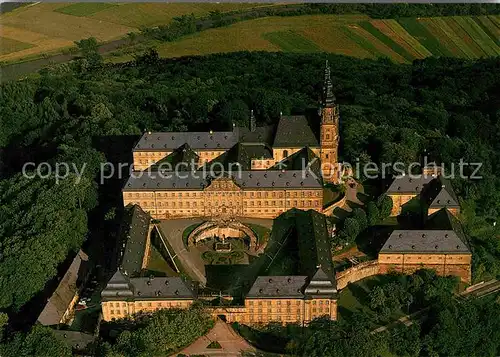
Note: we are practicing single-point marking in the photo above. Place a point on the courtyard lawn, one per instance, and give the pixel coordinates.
(187, 232)
(262, 233)
(157, 264)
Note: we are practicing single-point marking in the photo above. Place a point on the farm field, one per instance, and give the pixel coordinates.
(8, 45)
(47, 27)
(401, 40)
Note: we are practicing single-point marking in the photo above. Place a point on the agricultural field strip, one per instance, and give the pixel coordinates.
(379, 46)
(384, 27)
(368, 26)
(416, 29)
(409, 39)
(443, 25)
(490, 28)
(446, 42)
(465, 37)
(9, 45)
(291, 41)
(334, 39)
(478, 35)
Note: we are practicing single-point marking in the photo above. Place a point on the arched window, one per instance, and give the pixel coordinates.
(285, 154)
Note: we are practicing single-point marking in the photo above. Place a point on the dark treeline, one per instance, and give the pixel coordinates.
(389, 113)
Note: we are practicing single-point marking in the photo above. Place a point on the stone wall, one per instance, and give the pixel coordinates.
(340, 203)
(356, 273)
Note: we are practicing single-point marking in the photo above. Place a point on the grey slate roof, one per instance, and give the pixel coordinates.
(203, 140)
(424, 241)
(277, 179)
(243, 155)
(118, 286)
(244, 179)
(440, 194)
(261, 135)
(183, 154)
(314, 245)
(148, 288)
(294, 131)
(321, 285)
(136, 232)
(171, 287)
(301, 159)
(409, 184)
(69, 285)
(278, 287)
(165, 180)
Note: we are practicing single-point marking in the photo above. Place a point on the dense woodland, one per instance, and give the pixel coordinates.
(88, 112)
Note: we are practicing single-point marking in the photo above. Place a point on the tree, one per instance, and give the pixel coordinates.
(4, 320)
(384, 204)
(89, 50)
(351, 227)
(40, 342)
(360, 216)
(372, 213)
(164, 332)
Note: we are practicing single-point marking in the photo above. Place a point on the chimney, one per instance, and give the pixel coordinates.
(253, 124)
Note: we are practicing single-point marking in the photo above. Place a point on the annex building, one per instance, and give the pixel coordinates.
(246, 172)
(439, 243)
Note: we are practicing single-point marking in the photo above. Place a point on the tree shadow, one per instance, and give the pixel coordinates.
(372, 239)
(340, 214)
(353, 205)
(344, 312)
(363, 197)
(360, 293)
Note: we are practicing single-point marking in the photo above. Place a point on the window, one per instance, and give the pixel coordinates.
(285, 154)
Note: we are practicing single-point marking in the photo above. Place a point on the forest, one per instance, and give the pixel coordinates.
(87, 112)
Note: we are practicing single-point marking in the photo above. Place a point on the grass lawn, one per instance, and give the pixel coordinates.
(84, 9)
(289, 41)
(355, 297)
(261, 232)
(8, 45)
(187, 232)
(157, 264)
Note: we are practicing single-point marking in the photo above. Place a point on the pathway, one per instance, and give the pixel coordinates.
(231, 343)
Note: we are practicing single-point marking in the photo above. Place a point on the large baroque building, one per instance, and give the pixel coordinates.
(283, 299)
(247, 172)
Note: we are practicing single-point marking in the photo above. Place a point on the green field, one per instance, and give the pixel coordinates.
(84, 9)
(401, 40)
(289, 41)
(8, 45)
(49, 27)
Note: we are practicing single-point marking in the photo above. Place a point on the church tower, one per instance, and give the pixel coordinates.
(329, 132)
